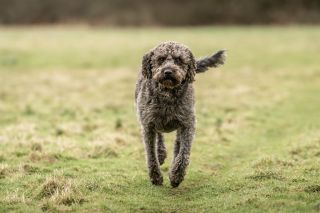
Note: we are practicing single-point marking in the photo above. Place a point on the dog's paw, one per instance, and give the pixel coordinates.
(178, 171)
(157, 180)
(175, 179)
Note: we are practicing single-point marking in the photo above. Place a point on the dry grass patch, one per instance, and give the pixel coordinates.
(5, 170)
(16, 197)
(262, 174)
(61, 191)
(43, 157)
(36, 147)
(28, 169)
(313, 188)
(270, 161)
(103, 152)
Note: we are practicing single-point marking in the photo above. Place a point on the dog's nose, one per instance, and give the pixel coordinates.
(167, 72)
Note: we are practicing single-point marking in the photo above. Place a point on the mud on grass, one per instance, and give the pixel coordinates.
(70, 141)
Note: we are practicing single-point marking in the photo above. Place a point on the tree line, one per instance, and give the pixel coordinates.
(159, 12)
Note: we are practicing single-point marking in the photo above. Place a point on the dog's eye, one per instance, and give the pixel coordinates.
(178, 60)
(161, 60)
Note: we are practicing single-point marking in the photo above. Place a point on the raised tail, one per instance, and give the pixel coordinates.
(215, 60)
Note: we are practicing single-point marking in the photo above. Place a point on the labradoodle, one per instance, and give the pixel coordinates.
(165, 102)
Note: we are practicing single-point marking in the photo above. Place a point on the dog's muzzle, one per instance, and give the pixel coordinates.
(168, 79)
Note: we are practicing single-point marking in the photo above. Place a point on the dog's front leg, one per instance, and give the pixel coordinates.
(161, 148)
(181, 160)
(149, 137)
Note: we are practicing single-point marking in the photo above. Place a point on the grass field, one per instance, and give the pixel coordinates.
(70, 141)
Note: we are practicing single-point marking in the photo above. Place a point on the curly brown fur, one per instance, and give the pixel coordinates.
(165, 102)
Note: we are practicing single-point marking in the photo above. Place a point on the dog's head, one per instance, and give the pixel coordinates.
(170, 64)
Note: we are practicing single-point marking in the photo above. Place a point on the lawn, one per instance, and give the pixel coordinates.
(70, 140)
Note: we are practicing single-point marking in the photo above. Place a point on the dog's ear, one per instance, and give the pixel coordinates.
(191, 69)
(146, 65)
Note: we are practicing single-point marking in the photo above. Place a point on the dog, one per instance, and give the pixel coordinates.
(164, 99)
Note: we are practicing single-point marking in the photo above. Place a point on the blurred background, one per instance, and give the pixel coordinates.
(159, 13)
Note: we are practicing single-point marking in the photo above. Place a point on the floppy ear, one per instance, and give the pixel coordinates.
(191, 69)
(146, 65)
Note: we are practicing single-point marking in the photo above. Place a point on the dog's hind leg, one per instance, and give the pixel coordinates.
(182, 152)
(177, 145)
(149, 138)
(161, 148)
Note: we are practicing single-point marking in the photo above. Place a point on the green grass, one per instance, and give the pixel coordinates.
(69, 138)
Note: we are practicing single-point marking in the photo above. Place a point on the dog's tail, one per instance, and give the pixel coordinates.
(215, 60)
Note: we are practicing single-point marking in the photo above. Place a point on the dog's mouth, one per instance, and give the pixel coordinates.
(169, 82)
(169, 78)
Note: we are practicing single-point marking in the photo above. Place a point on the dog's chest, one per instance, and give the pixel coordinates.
(168, 117)
(166, 111)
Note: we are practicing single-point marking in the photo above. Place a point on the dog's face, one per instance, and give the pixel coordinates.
(170, 64)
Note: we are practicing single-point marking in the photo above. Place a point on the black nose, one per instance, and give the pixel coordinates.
(168, 72)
